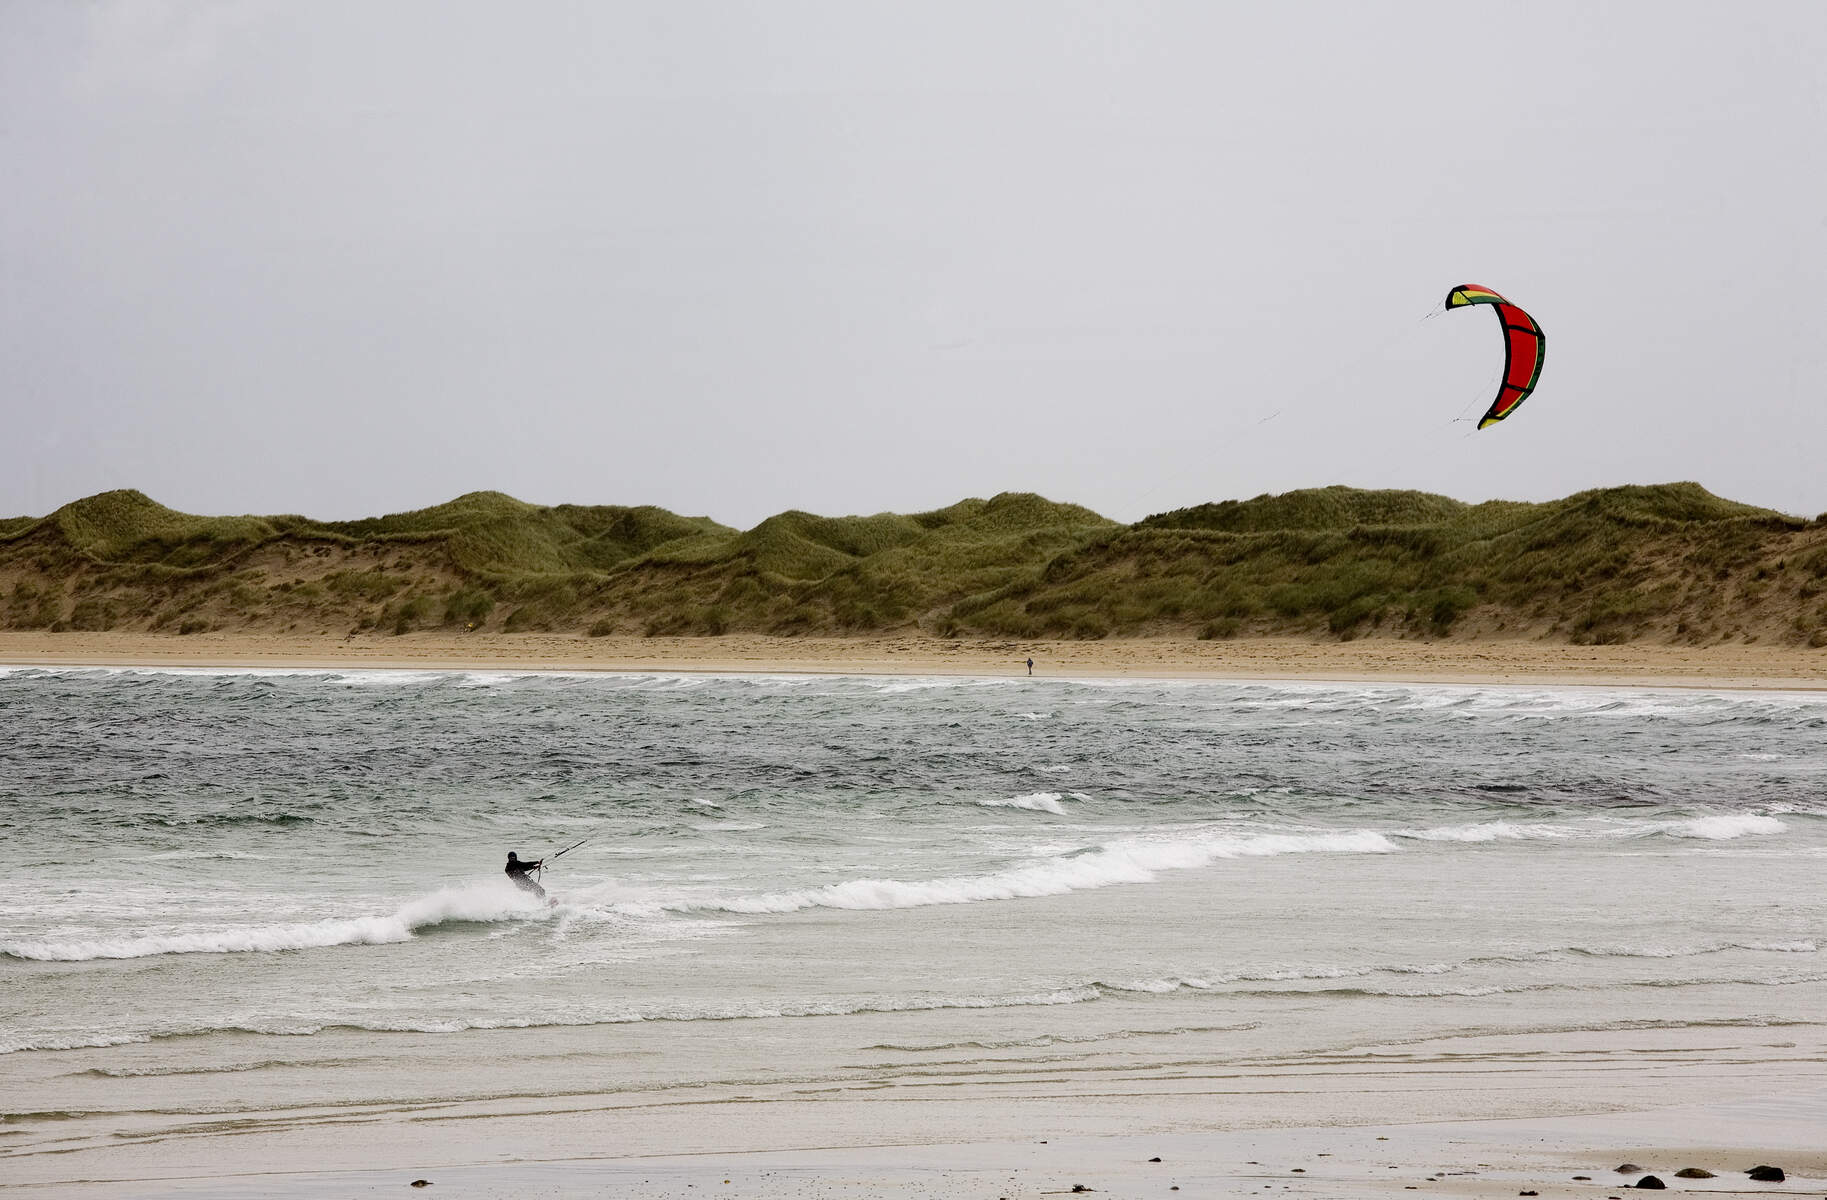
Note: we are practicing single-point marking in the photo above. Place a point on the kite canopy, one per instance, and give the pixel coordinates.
(1524, 343)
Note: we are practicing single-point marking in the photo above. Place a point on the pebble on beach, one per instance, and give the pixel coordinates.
(1649, 1181)
(1764, 1174)
(1693, 1173)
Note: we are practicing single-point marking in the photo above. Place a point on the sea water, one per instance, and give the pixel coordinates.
(236, 891)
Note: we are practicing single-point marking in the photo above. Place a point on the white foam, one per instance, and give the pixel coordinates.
(1724, 827)
(1469, 992)
(477, 902)
(899, 685)
(1156, 985)
(1127, 861)
(1691, 951)
(1272, 974)
(585, 1014)
(70, 1041)
(1488, 831)
(1034, 802)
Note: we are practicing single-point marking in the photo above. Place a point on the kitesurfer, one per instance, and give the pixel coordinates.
(519, 872)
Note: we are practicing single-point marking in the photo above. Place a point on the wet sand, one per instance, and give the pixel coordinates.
(1501, 662)
(1020, 1152)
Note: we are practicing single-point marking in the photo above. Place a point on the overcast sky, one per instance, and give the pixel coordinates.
(734, 258)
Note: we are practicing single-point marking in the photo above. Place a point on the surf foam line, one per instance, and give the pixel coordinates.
(1723, 827)
(1120, 862)
(1719, 827)
(475, 903)
(1045, 1040)
(1799, 946)
(731, 1011)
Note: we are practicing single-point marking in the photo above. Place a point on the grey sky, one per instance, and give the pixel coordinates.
(350, 258)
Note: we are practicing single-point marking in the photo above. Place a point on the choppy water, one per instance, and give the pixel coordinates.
(927, 868)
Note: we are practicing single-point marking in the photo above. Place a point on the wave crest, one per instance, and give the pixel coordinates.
(1048, 802)
(1724, 827)
(1128, 861)
(474, 903)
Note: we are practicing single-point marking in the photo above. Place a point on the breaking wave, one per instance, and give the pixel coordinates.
(1048, 802)
(1724, 827)
(1120, 862)
(1718, 828)
(475, 903)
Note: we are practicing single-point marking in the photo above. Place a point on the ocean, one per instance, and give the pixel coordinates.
(234, 893)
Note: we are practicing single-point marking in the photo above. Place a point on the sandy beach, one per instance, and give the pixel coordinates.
(1734, 666)
(1486, 1119)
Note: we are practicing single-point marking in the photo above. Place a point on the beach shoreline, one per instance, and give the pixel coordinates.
(1367, 660)
(1151, 1142)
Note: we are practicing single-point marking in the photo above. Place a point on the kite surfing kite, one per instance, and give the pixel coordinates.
(1524, 347)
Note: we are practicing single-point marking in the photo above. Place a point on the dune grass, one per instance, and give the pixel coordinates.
(1334, 507)
(1670, 562)
(492, 534)
(1600, 566)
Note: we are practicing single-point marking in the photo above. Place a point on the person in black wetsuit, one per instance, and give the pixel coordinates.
(519, 872)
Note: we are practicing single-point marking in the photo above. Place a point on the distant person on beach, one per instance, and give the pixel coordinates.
(518, 872)
(1030, 666)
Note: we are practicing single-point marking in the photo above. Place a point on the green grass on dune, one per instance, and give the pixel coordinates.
(472, 508)
(1605, 565)
(494, 534)
(128, 526)
(1671, 562)
(799, 573)
(1316, 508)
